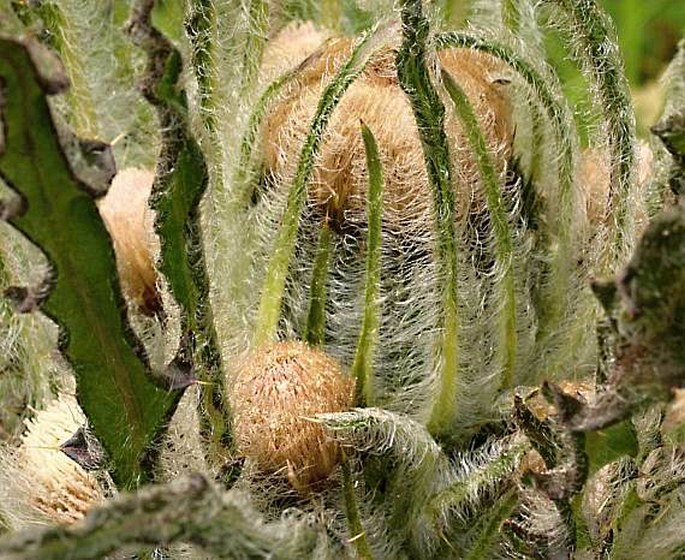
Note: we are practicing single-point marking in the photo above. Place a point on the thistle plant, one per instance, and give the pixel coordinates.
(335, 279)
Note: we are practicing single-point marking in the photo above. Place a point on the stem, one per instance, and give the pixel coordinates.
(562, 216)
(356, 529)
(482, 549)
(201, 30)
(537, 144)
(429, 113)
(511, 15)
(258, 14)
(200, 27)
(362, 368)
(244, 169)
(504, 246)
(331, 14)
(61, 37)
(274, 283)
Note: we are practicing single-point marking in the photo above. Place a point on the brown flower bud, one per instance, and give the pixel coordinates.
(274, 394)
(339, 182)
(290, 47)
(130, 221)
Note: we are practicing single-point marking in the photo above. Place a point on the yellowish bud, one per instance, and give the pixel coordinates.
(339, 182)
(38, 479)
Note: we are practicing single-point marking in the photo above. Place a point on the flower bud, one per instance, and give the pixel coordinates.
(339, 179)
(39, 479)
(274, 394)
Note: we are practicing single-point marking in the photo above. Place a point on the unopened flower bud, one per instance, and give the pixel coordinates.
(39, 478)
(275, 393)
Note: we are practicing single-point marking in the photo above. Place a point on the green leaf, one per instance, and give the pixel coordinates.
(488, 530)
(181, 181)
(245, 173)
(607, 445)
(561, 215)
(123, 406)
(403, 467)
(485, 474)
(58, 34)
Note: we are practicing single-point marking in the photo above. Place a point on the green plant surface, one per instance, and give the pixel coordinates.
(274, 283)
(316, 320)
(423, 231)
(502, 232)
(182, 181)
(647, 33)
(114, 385)
(429, 112)
(362, 367)
(189, 508)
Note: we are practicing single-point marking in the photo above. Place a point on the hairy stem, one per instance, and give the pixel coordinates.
(562, 214)
(598, 53)
(500, 224)
(258, 14)
(316, 321)
(277, 270)
(356, 529)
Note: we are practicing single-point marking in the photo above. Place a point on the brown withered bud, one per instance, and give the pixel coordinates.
(339, 181)
(129, 222)
(275, 392)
